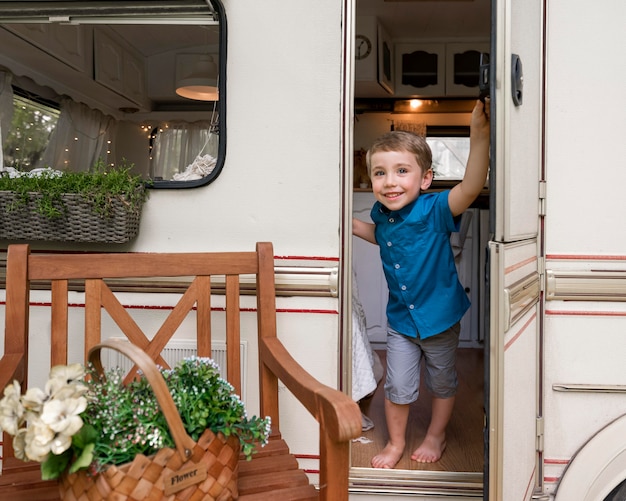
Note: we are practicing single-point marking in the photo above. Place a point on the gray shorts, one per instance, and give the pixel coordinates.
(404, 356)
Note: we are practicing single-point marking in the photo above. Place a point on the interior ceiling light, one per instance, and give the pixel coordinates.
(196, 77)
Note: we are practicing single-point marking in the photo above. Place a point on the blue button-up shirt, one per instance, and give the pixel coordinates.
(425, 295)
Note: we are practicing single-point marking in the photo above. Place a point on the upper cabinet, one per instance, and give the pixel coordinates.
(420, 69)
(463, 68)
(68, 43)
(119, 68)
(374, 59)
(438, 69)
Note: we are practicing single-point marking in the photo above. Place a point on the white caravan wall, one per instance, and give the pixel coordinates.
(586, 125)
(282, 172)
(585, 151)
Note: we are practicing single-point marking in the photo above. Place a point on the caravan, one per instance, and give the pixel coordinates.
(298, 91)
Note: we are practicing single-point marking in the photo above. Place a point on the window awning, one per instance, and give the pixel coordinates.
(77, 12)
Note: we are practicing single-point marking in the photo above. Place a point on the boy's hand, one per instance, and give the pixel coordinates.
(464, 193)
(479, 122)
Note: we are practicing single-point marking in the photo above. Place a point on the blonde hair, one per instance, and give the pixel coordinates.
(402, 141)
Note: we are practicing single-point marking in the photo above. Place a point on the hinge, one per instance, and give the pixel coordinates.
(541, 496)
(541, 269)
(542, 198)
(539, 425)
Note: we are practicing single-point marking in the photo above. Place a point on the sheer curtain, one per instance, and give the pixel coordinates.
(6, 109)
(178, 145)
(81, 137)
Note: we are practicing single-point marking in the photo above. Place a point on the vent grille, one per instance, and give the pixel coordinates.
(176, 351)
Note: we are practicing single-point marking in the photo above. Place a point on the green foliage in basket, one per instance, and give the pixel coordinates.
(100, 186)
(90, 423)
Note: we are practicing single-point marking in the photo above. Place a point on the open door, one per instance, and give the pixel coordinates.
(514, 406)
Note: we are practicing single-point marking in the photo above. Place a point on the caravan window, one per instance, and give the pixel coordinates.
(131, 82)
(28, 132)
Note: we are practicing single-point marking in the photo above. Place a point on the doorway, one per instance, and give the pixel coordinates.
(397, 33)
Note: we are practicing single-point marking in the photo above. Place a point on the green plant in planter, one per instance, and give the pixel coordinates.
(100, 186)
(76, 423)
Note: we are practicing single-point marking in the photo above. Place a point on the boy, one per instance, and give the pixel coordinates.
(426, 300)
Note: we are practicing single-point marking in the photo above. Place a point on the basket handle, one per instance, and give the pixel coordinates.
(184, 443)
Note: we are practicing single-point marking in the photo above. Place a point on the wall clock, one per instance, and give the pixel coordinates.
(363, 47)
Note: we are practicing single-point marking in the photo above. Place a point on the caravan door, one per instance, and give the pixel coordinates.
(514, 340)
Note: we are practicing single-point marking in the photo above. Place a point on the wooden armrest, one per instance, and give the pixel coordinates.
(339, 414)
(11, 367)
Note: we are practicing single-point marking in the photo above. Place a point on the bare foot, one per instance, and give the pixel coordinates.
(430, 450)
(388, 458)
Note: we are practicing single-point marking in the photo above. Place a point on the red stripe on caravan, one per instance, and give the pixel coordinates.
(309, 456)
(287, 258)
(585, 257)
(519, 265)
(551, 480)
(531, 483)
(556, 461)
(519, 333)
(586, 313)
(308, 258)
(155, 307)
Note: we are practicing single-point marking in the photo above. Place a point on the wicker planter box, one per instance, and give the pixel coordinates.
(79, 224)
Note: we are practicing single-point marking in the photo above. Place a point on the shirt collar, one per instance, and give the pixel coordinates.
(402, 213)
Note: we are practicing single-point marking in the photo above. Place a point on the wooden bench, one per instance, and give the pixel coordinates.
(273, 472)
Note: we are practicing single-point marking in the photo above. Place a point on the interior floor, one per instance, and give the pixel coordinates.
(464, 451)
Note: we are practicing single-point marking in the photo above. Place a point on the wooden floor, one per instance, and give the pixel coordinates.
(464, 452)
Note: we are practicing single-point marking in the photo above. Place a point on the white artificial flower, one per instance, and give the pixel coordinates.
(19, 443)
(68, 373)
(34, 399)
(11, 409)
(69, 391)
(60, 443)
(38, 441)
(66, 381)
(62, 416)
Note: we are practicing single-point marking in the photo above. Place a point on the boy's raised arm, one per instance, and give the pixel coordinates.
(464, 193)
(363, 230)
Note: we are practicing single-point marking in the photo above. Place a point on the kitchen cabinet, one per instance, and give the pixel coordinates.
(118, 68)
(67, 43)
(420, 69)
(462, 68)
(467, 245)
(438, 69)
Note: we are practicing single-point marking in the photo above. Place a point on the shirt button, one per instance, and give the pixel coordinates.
(392, 220)
(411, 307)
(403, 287)
(389, 244)
(397, 266)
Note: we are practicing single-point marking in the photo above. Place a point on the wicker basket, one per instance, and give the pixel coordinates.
(79, 223)
(204, 470)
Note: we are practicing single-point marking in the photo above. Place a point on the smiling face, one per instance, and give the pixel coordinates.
(399, 165)
(397, 178)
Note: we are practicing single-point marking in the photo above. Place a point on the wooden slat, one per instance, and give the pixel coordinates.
(299, 493)
(267, 464)
(253, 484)
(59, 320)
(120, 265)
(233, 332)
(93, 314)
(203, 316)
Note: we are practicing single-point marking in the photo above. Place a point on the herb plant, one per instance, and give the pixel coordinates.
(100, 186)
